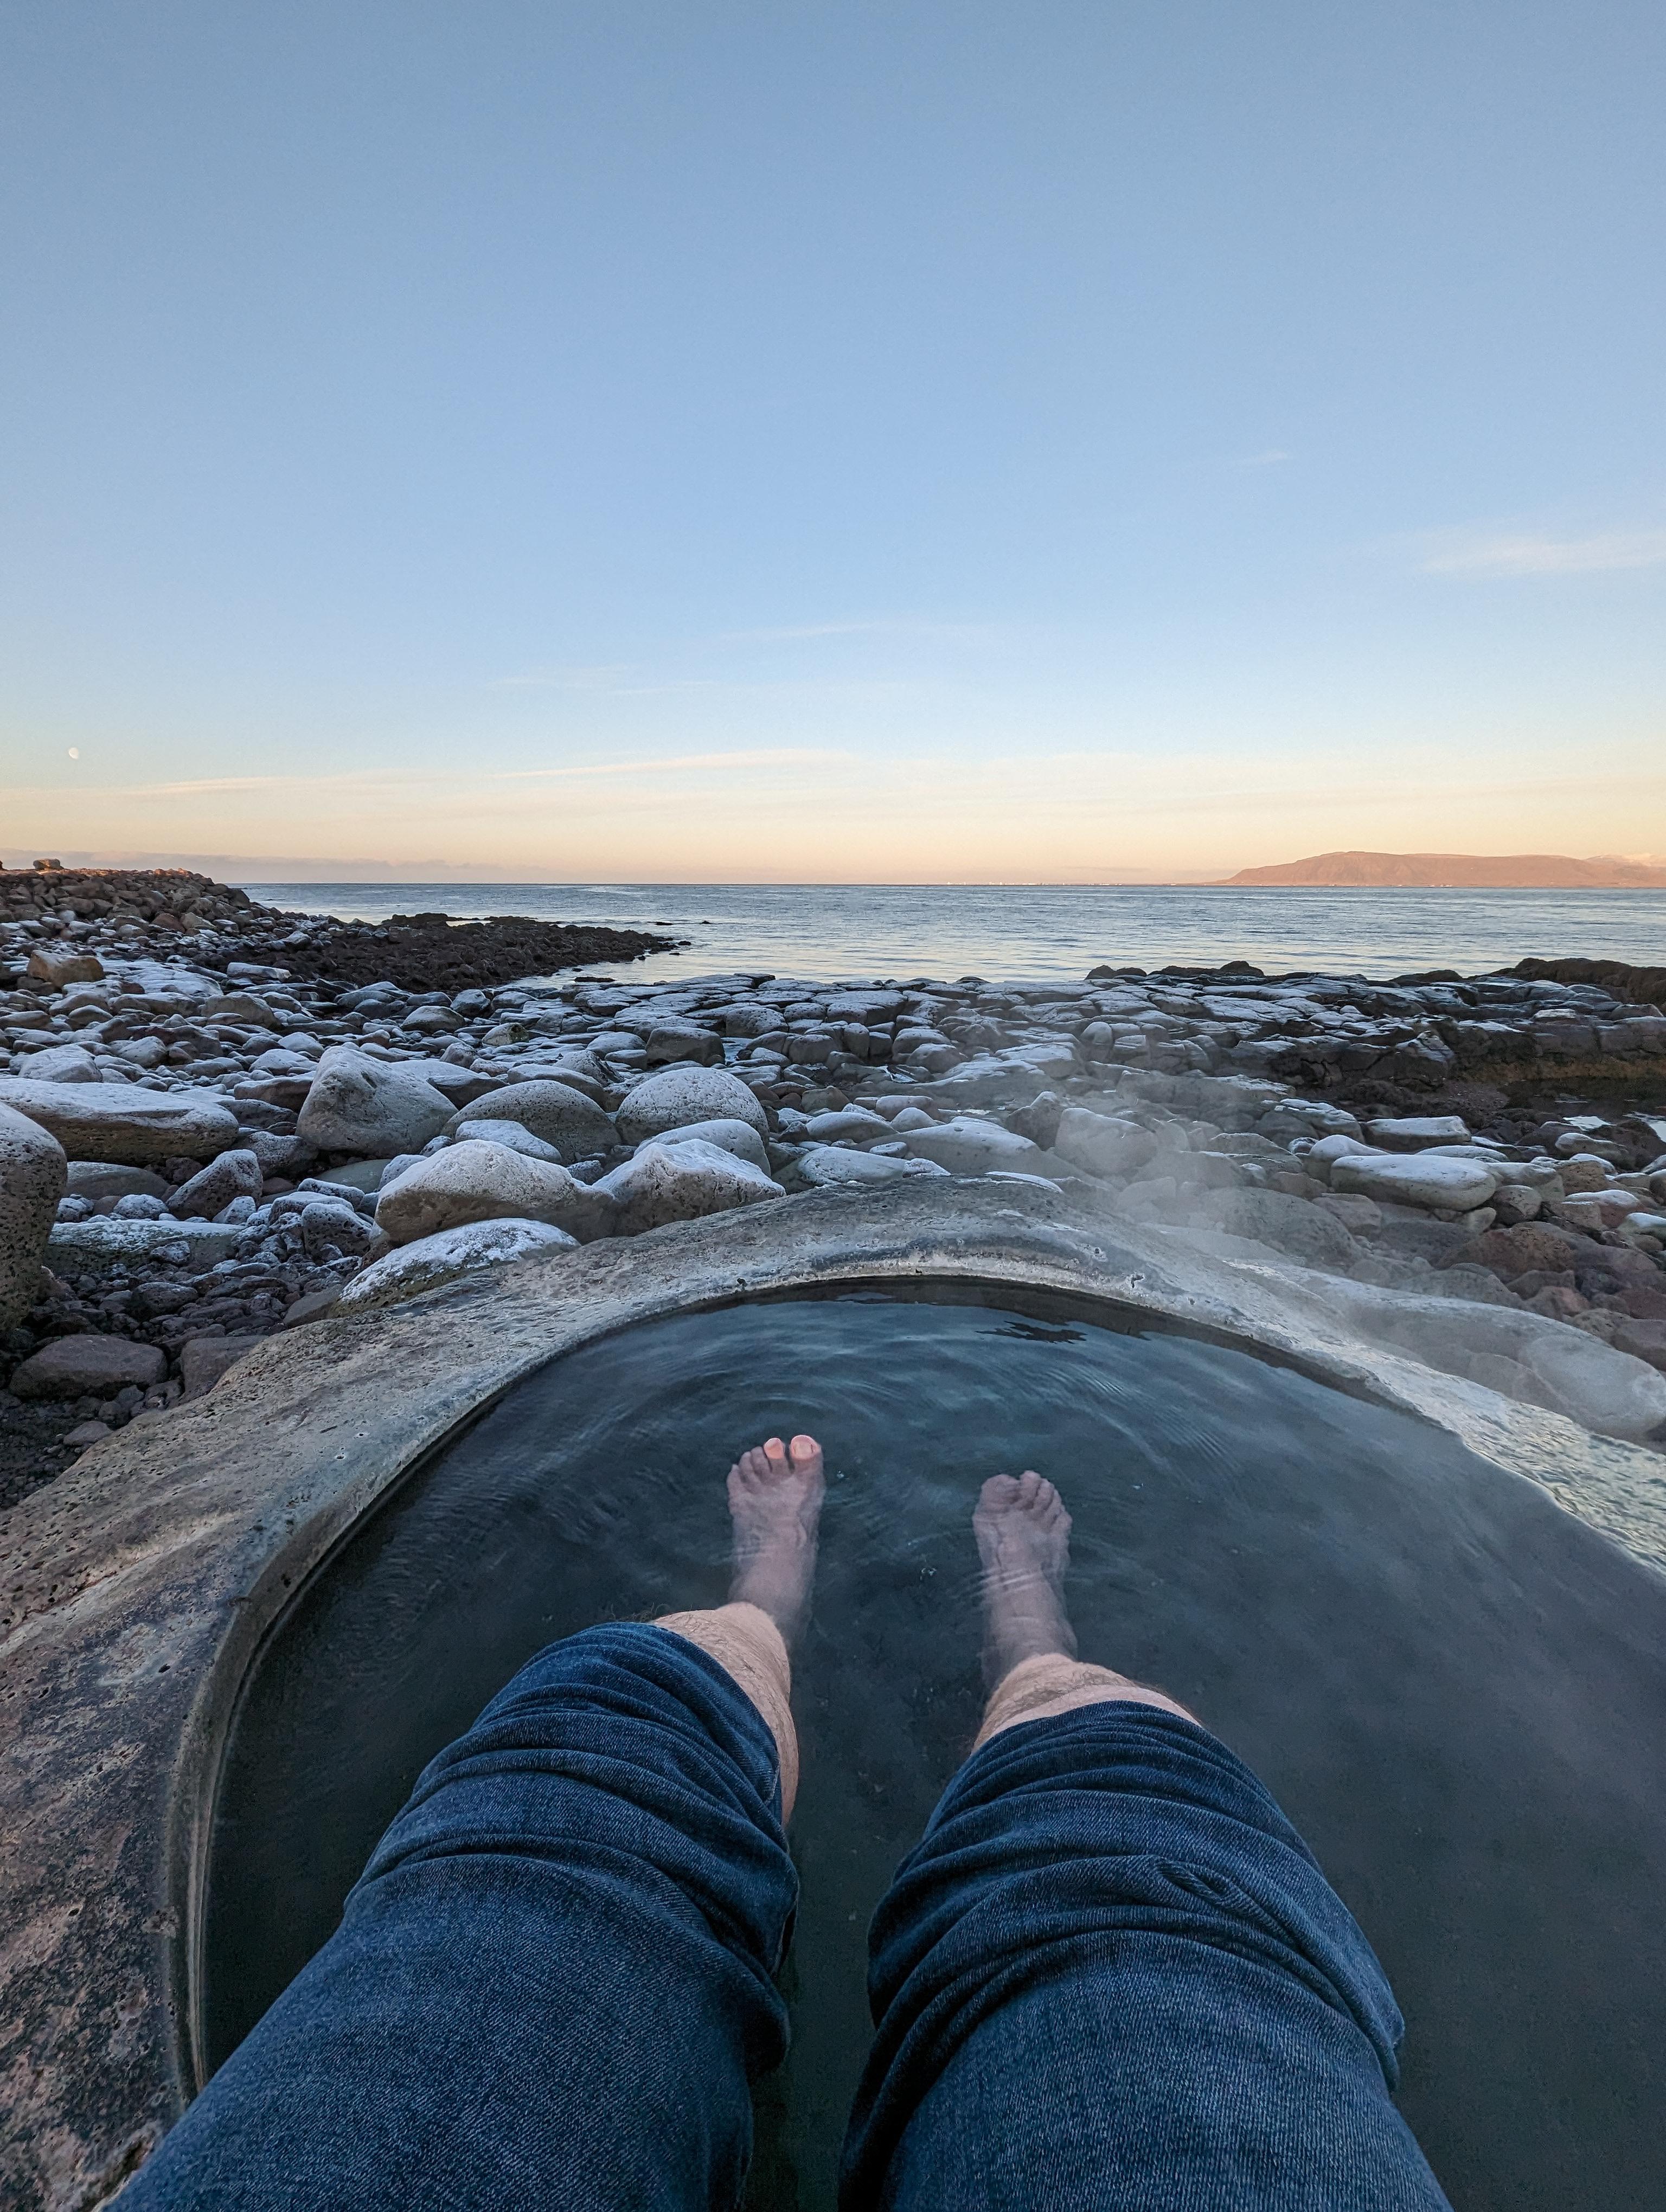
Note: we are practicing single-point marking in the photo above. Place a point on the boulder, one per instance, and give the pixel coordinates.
(59, 969)
(433, 1261)
(1458, 1185)
(857, 1122)
(677, 1041)
(32, 1173)
(827, 1165)
(123, 1122)
(357, 1104)
(1532, 1248)
(1515, 1202)
(969, 1147)
(661, 1183)
(332, 1228)
(514, 1136)
(204, 1359)
(59, 1063)
(242, 1007)
(573, 1124)
(1101, 1144)
(680, 1096)
(95, 1179)
(100, 1245)
(739, 1138)
(88, 1367)
(235, 1174)
(477, 1180)
(1411, 1133)
(1299, 1227)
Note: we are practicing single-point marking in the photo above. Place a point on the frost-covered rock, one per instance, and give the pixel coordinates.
(739, 1138)
(1411, 1133)
(371, 1106)
(235, 1173)
(573, 1124)
(681, 1095)
(59, 1063)
(1408, 1179)
(969, 1147)
(455, 1252)
(514, 1136)
(479, 1181)
(829, 1166)
(684, 1182)
(123, 1122)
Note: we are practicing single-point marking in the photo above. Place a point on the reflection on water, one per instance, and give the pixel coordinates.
(1457, 1692)
(1044, 931)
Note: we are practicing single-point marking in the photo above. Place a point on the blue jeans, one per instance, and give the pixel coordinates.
(1110, 1975)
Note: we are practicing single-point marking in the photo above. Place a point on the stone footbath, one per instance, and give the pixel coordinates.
(1444, 1675)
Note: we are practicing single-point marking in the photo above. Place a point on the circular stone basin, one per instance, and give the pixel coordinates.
(1456, 1690)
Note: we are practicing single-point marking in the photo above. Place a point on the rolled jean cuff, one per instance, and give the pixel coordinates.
(749, 1647)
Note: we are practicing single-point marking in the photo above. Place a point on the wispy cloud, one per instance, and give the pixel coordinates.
(888, 626)
(412, 780)
(605, 676)
(768, 756)
(1270, 459)
(1506, 553)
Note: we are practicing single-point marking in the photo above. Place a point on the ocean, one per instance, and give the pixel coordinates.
(1044, 931)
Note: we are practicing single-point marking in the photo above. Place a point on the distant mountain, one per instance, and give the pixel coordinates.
(1466, 870)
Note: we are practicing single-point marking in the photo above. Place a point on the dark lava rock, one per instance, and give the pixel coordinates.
(430, 952)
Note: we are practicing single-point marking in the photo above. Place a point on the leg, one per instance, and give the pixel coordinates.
(552, 1986)
(1112, 1975)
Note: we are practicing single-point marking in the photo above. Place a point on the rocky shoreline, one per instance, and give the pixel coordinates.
(217, 1121)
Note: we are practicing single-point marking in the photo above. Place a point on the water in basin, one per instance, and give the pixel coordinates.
(1456, 1691)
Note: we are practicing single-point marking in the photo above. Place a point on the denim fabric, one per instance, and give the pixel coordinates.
(552, 1986)
(1113, 1976)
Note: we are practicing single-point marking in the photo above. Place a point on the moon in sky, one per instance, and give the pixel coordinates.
(74, 752)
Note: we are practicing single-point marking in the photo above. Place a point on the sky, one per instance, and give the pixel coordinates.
(878, 443)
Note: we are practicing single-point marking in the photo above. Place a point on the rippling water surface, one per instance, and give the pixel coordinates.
(1456, 1691)
(1048, 931)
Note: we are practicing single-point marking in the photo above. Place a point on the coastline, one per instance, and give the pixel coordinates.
(1495, 1139)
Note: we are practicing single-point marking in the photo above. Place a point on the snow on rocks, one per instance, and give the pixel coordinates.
(434, 1261)
(476, 1181)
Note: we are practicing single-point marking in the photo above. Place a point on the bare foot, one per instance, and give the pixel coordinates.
(1023, 1536)
(776, 1503)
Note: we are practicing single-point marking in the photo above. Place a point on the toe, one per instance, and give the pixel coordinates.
(1030, 1486)
(804, 1451)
